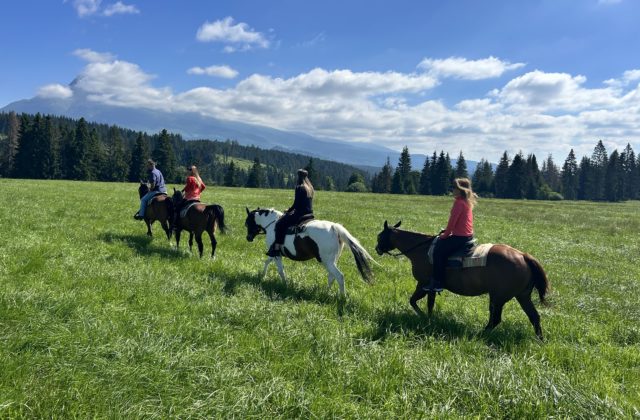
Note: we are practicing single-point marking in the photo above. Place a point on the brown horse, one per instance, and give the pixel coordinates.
(160, 208)
(198, 219)
(508, 273)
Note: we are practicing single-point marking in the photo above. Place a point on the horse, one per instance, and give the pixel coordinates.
(159, 208)
(318, 239)
(508, 273)
(199, 218)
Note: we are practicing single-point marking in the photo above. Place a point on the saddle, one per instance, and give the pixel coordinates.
(300, 226)
(156, 195)
(187, 206)
(469, 255)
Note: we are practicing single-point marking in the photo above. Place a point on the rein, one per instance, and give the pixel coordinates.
(399, 254)
(263, 230)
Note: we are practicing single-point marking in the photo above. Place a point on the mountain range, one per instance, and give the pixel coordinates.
(191, 126)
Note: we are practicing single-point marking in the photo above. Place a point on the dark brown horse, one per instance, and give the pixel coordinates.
(508, 273)
(198, 219)
(159, 208)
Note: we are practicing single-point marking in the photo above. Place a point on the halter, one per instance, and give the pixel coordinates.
(263, 230)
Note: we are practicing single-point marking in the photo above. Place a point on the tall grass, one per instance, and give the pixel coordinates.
(97, 320)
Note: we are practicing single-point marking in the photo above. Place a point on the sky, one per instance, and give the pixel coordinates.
(481, 77)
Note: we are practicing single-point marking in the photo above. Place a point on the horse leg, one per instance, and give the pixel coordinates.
(148, 227)
(165, 227)
(495, 313)
(178, 232)
(418, 294)
(266, 265)
(191, 242)
(337, 275)
(280, 269)
(431, 300)
(527, 306)
(199, 242)
(330, 280)
(214, 243)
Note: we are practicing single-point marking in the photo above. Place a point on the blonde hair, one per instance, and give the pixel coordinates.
(464, 186)
(194, 171)
(303, 179)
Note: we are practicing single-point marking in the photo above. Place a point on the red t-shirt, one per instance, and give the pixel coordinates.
(191, 190)
(460, 220)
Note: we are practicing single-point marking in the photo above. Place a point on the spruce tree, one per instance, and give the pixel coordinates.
(501, 180)
(139, 156)
(9, 145)
(384, 178)
(585, 182)
(256, 177)
(630, 180)
(551, 174)
(599, 160)
(117, 168)
(461, 167)
(614, 179)
(425, 178)
(312, 172)
(230, 175)
(24, 158)
(533, 178)
(483, 178)
(517, 177)
(165, 157)
(569, 177)
(397, 186)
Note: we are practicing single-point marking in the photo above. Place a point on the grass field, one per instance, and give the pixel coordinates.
(96, 320)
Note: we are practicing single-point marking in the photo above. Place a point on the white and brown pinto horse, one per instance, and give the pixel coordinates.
(319, 239)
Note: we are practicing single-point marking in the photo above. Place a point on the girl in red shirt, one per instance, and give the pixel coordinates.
(192, 190)
(459, 231)
(194, 185)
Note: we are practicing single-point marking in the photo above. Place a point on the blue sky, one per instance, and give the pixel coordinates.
(477, 76)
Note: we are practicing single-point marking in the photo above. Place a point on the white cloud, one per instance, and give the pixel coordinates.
(240, 35)
(92, 7)
(537, 112)
(120, 8)
(225, 72)
(86, 7)
(93, 56)
(55, 91)
(461, 68)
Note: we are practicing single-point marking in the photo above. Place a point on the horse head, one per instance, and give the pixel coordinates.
(177, 197)
(259, 220)
(384, 238)
(143, 188)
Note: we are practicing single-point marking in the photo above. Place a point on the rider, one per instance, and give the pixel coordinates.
(192, 190)
(302, 208)
(156, 186)
(459, 231)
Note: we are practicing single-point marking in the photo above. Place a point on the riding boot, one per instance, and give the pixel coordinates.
(137, 216)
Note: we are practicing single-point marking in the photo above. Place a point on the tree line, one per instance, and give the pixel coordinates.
(599, 177)
(52, 147)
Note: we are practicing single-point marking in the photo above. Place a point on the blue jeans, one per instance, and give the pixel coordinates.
(444, 248)
(145, 200)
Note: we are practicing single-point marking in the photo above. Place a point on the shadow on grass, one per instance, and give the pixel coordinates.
(276, 289)
(407, 322)
(142, 244)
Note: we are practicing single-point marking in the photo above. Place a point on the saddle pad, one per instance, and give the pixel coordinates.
(297, 228)
(183, 212)
(477, 259)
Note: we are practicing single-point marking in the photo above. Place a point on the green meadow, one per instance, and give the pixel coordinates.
(97, 320)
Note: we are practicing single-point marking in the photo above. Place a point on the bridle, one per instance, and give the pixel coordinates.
(400, 253)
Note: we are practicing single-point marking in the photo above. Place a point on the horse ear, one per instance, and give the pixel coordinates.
(247, 209)
(397, 224)
(386, 225)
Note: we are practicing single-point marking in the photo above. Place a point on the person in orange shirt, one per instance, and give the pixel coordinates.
(459, 231)
(192, 190)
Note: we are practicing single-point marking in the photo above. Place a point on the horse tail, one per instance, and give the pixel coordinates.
(215, 213)
(360, 254)
(540, 280)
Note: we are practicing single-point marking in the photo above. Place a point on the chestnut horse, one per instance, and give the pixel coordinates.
(508, 273)
(159, 208)
(199, 218)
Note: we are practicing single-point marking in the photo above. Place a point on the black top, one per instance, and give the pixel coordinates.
(301, 204)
